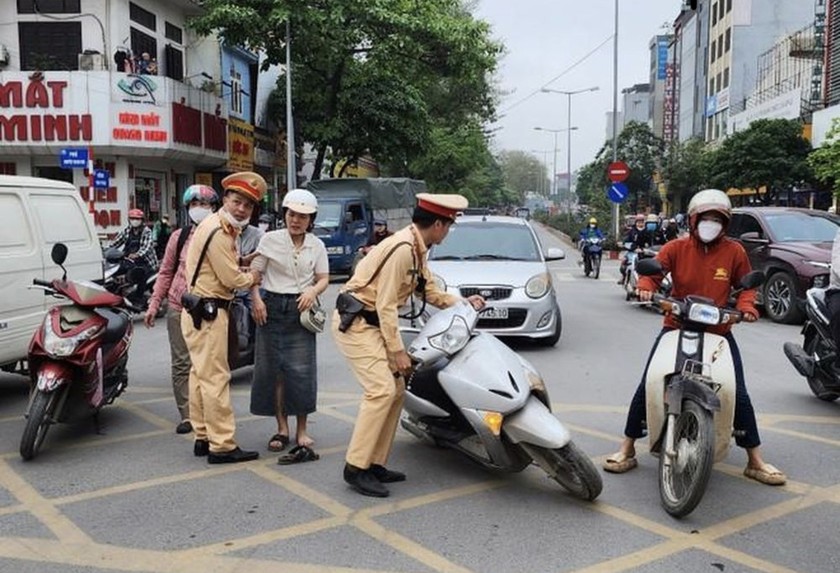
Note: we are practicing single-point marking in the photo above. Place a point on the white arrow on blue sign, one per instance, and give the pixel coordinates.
(617, 192)
(101, 179)
(73, 158)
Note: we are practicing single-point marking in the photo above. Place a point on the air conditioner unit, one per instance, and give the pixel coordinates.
(91, 62)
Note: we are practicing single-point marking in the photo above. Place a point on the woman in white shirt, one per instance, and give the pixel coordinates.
(295, 272)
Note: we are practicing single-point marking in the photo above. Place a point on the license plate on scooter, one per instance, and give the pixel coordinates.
(494, 313)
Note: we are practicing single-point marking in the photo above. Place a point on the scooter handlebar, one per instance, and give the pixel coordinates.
(728, 315)
(41, 282)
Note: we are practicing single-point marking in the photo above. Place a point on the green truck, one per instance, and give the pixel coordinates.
(347, 208)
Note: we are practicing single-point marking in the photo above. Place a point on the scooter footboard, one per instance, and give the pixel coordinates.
(535, 424)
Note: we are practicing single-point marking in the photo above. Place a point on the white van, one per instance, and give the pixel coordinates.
(34, 215)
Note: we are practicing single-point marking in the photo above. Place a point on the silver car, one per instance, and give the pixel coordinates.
(501, 259)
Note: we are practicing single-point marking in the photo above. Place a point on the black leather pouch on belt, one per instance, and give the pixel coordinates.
(192, 304)
(348, 307)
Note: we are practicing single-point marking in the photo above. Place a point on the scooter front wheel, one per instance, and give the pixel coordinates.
(38, 423)
(683, 477)
(596, 266)
(571, 468)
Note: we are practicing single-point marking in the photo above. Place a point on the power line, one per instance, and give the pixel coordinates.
(560, 75)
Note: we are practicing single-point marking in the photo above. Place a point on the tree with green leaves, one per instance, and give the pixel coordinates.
(523, 173)
(685, 169)
(770, 153)
(380, 77)
(825, 160)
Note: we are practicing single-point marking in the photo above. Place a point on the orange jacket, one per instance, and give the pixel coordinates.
(704, 270)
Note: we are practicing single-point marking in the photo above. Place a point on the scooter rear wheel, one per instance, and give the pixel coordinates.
(682, 482)
(38, 423)
(572, 469)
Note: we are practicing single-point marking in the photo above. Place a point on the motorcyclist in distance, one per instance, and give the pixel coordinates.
(637, 238)
(380, 232)
(138, 249)
(588, 232)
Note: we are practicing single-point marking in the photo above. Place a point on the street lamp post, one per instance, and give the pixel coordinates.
(555, 132)
(545, 153)
(569, 94)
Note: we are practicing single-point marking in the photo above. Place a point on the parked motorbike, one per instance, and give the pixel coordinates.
(690, 392)
(116, 271)
(592, 253)
(78, 356)
(816, 357)
(472, 393)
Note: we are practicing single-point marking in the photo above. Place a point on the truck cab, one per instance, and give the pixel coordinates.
(344, 225)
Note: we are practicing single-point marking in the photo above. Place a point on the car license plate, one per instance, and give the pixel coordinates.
(495, 313)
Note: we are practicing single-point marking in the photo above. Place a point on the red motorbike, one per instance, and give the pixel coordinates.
(78, 356)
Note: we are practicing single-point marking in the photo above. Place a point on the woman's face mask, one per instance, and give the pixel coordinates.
(135, 223)
(709, 230)
(651, 226)
(198, 214)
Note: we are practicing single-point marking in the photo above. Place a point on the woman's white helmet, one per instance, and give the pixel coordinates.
(709, 200)
(300, 201)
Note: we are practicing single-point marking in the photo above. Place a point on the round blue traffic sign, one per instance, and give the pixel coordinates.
(617, 192)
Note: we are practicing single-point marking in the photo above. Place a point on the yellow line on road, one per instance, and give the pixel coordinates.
(62, 527)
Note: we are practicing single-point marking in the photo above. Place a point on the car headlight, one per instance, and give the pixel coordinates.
(439, 282)
(337, 250)
(453, 339)
(58, 346)
(819, 264)
(538, 285)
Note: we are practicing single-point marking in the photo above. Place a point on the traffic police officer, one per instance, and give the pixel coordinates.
(210, 409)
(383, 281)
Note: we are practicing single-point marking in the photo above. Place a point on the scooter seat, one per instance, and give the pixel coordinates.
(116, 327)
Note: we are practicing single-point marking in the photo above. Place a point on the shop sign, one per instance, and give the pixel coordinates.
(148, 127)
(240, 145)
(134, 88)
(32, 110)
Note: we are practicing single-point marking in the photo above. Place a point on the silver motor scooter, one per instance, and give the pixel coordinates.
(472, 393)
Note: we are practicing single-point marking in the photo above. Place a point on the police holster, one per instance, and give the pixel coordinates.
(349, 307)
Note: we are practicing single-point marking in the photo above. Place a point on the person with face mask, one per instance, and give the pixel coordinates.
(138, 247)
(213, 273)
(638, 239)
(705, 263)
(199, 201)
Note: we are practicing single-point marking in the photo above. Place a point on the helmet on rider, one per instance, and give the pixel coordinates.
(706, 201)
(593, 221)
(709, 201)
(136, 214)
(300, 201)
(203, 193)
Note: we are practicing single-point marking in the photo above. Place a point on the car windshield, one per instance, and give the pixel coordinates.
(797, 227)
(487, 241)
(329, 215)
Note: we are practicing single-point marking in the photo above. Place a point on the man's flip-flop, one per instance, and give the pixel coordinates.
(768, 474)
(619, 463)
(278, 439)
(298, 455)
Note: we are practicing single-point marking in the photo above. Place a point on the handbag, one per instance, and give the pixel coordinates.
(313, 318)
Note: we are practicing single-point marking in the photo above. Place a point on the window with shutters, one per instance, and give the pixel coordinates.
(50, 46)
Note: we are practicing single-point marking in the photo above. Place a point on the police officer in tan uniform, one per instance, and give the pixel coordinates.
(371, 341)
(219, 275)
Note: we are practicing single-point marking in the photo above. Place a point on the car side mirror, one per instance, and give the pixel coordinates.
(753, 237)
(649, 267)
(555, 254)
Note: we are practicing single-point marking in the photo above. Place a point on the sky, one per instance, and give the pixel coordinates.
(555, 44)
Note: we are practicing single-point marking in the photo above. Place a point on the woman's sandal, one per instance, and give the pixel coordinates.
(768, 474)
(618, 463)
(278, 443)
(297, 455)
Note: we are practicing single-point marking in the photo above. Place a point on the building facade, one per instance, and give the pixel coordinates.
(127, 85)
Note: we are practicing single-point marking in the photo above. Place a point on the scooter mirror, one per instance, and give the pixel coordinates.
(753, 279)
(59, 253)
(648, 267)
